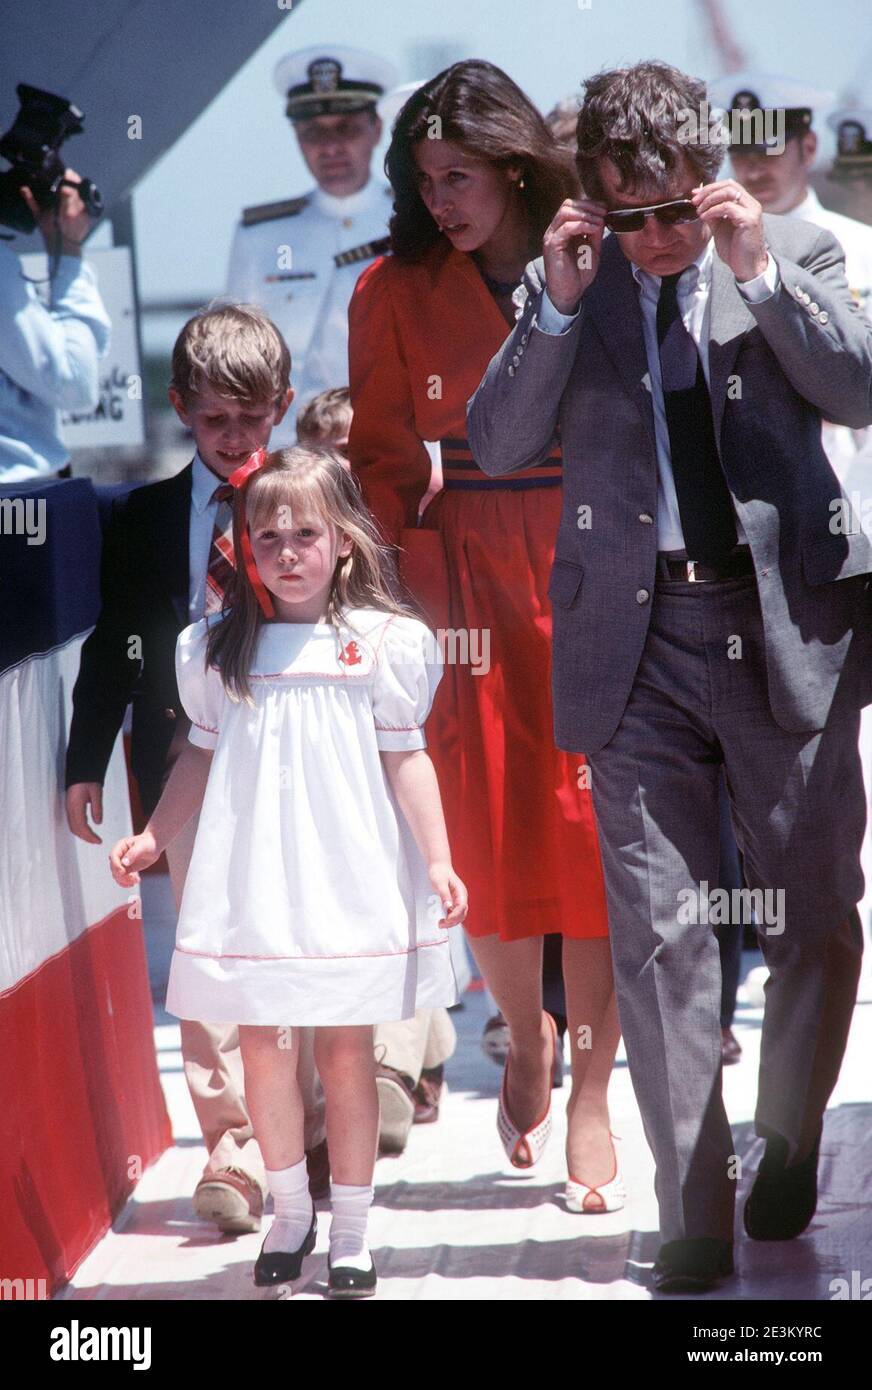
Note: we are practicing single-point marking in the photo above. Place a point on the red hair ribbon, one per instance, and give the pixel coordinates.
(237, 479)
(251, 465)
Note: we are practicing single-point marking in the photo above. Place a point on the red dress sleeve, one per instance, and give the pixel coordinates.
(384, 446)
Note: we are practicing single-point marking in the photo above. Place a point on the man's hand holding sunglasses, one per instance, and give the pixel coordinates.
(736, 222)
(571, 250)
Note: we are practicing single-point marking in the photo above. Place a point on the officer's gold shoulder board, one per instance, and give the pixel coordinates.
(366, 252)
(266, 212)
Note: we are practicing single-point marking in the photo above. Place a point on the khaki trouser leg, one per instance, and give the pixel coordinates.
(213, 1067)
(413, 1044)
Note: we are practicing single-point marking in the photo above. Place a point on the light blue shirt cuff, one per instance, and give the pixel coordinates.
(763, 286)
(550, 320)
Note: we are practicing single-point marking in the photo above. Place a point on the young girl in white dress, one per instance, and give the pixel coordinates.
(321, 885)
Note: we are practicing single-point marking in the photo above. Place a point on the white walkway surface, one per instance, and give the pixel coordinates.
(452, 1220)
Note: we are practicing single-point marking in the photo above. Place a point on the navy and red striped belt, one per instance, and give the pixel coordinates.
(461, 472)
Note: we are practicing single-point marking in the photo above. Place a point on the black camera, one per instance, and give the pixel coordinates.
(31, 146)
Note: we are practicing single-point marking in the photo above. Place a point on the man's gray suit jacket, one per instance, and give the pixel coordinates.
(776, 369)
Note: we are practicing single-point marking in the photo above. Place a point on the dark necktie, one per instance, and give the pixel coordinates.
(704, 503)
(220, 565)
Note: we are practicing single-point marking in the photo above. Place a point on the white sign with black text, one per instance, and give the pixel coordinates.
(118, 418)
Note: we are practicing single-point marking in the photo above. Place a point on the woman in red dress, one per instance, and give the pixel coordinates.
(477, 177)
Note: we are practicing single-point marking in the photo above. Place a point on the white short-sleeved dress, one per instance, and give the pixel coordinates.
(307, 901)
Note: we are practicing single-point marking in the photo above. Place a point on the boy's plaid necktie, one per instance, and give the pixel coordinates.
(221, 564)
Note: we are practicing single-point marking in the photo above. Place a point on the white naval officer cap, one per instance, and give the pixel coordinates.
(853, 127)
(749, 92)
(391, 104)
(331, 80)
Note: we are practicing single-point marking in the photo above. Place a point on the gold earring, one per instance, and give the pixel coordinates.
(521, 183)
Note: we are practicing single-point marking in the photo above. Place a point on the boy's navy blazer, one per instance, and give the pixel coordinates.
(144, 579)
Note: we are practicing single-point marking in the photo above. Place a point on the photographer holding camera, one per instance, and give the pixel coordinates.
(48, 354)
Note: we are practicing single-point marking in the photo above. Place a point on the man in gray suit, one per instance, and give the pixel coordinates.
(712, 607)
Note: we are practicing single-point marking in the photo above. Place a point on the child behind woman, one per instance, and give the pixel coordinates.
(326, 421)
(321, 881)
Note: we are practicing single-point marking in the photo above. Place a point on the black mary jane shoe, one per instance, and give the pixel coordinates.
(344, 1281)
(783, 1199)
(284, 1266)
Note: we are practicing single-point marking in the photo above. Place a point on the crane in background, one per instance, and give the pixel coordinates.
(731, 55)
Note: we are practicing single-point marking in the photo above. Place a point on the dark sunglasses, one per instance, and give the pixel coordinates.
(633, 219)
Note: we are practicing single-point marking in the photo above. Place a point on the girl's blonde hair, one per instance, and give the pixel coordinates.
(314, 480)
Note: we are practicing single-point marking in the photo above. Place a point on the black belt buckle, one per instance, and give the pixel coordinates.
(692, 571)
(695, 572)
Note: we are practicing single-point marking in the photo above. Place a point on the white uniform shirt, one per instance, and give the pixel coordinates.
(286, 266)
(856, 241)
(849, 451)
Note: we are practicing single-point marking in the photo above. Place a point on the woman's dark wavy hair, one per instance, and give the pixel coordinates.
(481, 109)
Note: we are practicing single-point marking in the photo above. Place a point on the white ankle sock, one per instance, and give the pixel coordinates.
(293, 1207)
(350, 1207)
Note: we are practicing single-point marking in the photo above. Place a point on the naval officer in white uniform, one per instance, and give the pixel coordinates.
(299, 258)
(853, 127)
(780, 182)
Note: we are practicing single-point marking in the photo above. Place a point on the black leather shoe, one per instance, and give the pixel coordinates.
(691, 1266)
(284, 1266)
(344, 1281)
(783, 1199)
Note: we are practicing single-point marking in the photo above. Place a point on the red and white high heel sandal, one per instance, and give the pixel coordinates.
(609, 1196)
(524, 1148)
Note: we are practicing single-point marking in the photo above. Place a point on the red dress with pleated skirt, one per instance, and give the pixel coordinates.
(519, 811)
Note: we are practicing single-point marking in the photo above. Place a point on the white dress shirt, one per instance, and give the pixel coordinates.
(204, 509)
(694, 300)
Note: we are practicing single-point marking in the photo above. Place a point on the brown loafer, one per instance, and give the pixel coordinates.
(731, 1048)
(231, 1198)
(396, 1109)
(495, 1039)
(427, 1095)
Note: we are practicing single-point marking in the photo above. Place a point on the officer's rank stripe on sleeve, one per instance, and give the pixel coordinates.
(266, 212)
(366, 252)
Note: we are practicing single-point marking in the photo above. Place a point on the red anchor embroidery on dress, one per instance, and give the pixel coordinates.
(350, 655)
